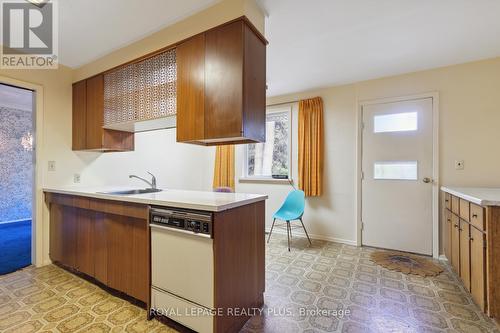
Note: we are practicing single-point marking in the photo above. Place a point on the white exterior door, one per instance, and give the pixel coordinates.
(397, 165)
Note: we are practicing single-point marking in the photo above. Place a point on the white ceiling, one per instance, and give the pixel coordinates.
(91, 29)
(16, 98)
(319, 43)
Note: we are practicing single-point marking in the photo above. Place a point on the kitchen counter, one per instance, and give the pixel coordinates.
(197, 200)
(482, 196)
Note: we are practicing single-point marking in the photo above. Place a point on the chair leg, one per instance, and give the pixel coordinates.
(288, 231)
(303, 226)
(270, 232)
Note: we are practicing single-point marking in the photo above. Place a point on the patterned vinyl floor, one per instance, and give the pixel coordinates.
(326, 287)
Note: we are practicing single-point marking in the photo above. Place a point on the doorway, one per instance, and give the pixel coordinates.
(398, 183)
(17, 173)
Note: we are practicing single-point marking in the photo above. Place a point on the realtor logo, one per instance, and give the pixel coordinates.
(29, 34)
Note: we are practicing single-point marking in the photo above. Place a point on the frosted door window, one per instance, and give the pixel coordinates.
(396, 122)
(404, 170)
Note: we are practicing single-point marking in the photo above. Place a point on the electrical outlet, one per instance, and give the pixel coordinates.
(52, 165)
(76, 178)
(459, 165)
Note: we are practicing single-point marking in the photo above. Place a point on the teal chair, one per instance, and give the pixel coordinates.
(291, 210)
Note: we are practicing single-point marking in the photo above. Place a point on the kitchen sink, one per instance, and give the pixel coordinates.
(132, 192)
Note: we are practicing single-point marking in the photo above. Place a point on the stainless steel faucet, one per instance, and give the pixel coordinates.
(152, 183)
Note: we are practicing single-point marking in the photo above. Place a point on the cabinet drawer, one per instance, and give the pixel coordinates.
(447, 200)
(455, 205)
(188, 314)
(465, 210)
(477, 216)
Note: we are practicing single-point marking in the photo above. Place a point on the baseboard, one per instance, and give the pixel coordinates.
(314, 236)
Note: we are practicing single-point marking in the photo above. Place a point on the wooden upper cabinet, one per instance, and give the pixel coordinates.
(191, 89)
(221, 86)
(88, 119)
(79, 115)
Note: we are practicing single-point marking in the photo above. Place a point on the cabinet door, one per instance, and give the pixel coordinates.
(465, 253)
(100, 248)
(447, 230)
(84, 241)
(62, 235)
(128, 255)
(56, 233)
(79, 115)
(455, 243)
(95, 112)
(191, 89)
(224, 81)
(478, 273)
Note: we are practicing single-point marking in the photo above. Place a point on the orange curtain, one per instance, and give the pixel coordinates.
(224, 167)
(311, 146)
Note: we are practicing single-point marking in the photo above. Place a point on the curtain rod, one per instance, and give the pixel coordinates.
(276, 104)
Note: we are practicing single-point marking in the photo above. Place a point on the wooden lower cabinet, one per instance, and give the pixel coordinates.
(455, 243)
(465, 253)
(477, 267)
(447, 232)
(467, 247)
(106, 241)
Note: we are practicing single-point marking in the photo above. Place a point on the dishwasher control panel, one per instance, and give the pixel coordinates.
(195, 222)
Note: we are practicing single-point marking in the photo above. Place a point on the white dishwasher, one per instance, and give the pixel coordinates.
(182, 264)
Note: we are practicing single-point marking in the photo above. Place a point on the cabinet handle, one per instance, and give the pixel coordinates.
(447, 200)
(456, 225)
(471, 239)
(474, 216)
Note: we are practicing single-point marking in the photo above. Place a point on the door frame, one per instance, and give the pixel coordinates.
(37, 230)
(435, 164)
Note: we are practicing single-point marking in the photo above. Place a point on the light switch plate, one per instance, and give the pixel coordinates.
(76, 178)
(459, 165)
(52, 165)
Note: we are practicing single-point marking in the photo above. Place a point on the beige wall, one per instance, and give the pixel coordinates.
(469, 131)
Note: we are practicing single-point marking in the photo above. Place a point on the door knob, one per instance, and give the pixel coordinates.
(427, 180)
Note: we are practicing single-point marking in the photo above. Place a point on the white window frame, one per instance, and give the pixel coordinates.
(270, 179)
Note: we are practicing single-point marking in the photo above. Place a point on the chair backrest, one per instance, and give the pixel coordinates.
(295, 202)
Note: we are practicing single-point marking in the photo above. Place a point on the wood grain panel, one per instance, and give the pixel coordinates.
(477, 216)
(465, 253)
(95, 112)
(464, 210)
(455, 205)
(120, 208)
(254, 87)
(84, 251)
(100, 248)
(493, 261)
(447, 201)
(478, 272)
(79, 115)
(455, 243)
(224, 81)
(56, 233)
(191, 89)
(115, 141)
(447, 231)
(239, 260)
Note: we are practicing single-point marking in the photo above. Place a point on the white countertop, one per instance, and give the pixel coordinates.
(198, 200)
(483, 196)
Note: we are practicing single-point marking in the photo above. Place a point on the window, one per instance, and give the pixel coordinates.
(403, 170)
(272, 158)
(396, 122)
